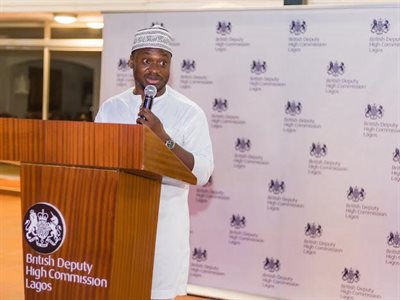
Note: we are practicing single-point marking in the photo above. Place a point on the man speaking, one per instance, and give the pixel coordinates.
(182, 126)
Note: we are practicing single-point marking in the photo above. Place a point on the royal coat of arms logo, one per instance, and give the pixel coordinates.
(396, 155)
(224, 27)
(349, 275)
(318, 150)
(271, 264)
(258, 67)
(380, 26)
(123, 64)
(220, 105)
(188, 65)
(199, 254)
(293, 108)
(44, 228)
(276, 186)
(242, 144)
(393, 239)
(238, 221)
(356, 194)
(374, 111)
(313, 230)
(336, 68)
(298, 27)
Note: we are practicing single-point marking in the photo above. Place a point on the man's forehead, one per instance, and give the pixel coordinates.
(152, 51)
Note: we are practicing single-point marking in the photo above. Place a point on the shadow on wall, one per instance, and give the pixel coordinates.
(200, 197)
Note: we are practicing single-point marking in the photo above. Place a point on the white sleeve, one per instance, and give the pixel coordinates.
(198, 142)
(99, 116)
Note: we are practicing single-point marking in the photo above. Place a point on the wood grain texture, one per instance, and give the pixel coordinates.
(11, 275)
(111, 221)
(134, 237)
(84, 144)
(87, 200)
(21, 140)
(110, 216)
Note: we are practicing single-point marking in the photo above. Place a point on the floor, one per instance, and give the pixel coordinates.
(11, 276)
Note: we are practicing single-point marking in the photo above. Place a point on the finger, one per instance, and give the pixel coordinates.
(147, 115)
(142, 121)
(143, 110)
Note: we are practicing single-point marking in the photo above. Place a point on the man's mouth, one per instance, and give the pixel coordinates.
(153, 80)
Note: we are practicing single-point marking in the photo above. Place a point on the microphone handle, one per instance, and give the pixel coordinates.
(148, 102)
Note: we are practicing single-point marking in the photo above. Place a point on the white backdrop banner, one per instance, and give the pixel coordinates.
(304, 112)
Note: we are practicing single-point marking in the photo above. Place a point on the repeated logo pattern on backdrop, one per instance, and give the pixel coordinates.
(304, 112)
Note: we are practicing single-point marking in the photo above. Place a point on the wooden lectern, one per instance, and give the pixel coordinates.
(105, 180)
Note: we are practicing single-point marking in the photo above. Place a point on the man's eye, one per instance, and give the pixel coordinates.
(163, 63)
(145, 61)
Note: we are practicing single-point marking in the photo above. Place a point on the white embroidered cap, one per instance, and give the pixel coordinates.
(154, 37)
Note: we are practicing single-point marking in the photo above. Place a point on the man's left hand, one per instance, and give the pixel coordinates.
(146, 117)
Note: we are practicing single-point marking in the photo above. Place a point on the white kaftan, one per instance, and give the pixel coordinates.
(185, 122)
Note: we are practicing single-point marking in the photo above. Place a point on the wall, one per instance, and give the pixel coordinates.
(303, 109)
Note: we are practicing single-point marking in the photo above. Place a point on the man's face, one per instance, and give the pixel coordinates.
(150, 66)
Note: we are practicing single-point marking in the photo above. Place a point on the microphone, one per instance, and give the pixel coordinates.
(150, 91)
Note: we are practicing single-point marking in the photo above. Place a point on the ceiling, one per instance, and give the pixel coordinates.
(82, 18)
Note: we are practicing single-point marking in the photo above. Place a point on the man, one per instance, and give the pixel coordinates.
(182, 126)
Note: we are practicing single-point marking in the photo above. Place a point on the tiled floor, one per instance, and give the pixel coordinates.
(11, 277)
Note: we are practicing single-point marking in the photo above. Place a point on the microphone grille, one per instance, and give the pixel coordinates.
(150, 90)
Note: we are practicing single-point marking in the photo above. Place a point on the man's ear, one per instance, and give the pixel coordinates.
(131, 62)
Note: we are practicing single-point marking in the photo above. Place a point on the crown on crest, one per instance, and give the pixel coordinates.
(42, 216)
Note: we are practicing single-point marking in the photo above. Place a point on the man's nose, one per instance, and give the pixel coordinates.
(154, 68)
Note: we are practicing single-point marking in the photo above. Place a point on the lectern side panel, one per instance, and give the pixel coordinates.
(131, 150)
(135, 234)
(68, 226)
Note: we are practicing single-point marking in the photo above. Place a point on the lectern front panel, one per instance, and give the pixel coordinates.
(78, 223)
